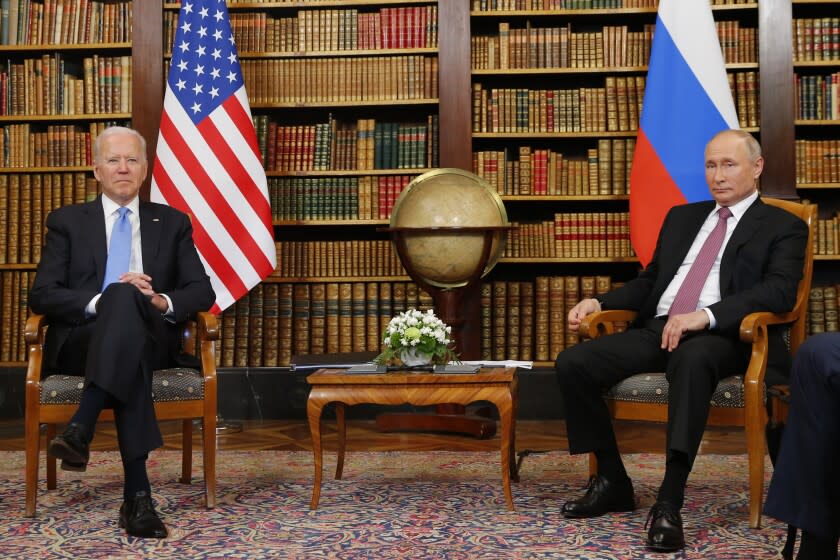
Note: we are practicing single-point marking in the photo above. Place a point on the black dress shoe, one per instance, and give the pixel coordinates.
(139, 518)
(666, 528)
(602, 496)
(72, 447)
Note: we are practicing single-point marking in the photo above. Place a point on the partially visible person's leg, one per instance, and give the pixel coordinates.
(585, 371)
(805, 489)
(693, 371)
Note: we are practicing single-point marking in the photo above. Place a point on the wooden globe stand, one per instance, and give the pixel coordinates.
(450, 308)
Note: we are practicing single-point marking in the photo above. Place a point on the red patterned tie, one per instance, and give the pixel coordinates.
(689, 293)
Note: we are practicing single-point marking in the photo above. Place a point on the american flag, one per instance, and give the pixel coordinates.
(208, 162)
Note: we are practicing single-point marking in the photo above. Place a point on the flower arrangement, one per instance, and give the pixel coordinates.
(416, 338)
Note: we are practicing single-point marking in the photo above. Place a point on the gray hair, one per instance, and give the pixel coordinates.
(752, 145)
(112, 130)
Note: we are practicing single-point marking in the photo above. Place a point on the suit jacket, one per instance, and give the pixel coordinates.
(72, 268)
(760, 270)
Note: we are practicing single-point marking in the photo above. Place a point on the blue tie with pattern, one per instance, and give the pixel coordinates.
(119, 249)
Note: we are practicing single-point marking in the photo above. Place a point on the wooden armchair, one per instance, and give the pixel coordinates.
(179, 393)
(738, 400)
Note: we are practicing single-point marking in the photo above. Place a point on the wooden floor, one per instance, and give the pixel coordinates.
(633, 437)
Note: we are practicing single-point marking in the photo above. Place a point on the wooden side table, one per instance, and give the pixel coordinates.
(495, 385)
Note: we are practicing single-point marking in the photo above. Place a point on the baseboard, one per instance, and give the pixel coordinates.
(272, 393)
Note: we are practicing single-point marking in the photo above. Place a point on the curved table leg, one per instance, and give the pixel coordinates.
(313, 413)
(506, 419)
(342, 439)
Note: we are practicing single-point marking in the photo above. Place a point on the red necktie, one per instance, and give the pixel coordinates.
(689, 293)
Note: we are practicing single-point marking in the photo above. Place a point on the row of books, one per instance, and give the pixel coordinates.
(23, 145)
(572, 235)
(363, 144)
(52, 22)
(816, 39)
(827, 236)
(330, 80)
(744, 88)
(276, 321)
(551, 5)
(528, 320)
(59, 145)
(604, 170)
(25, 201)
(513, 5)
(560, 47)
(818, 161)
(52, 85)
(816, 97)
(14, 301)
(335, 198)
(822, 309)
(409, 27)
(738, 44)
(615, 107)
(558, 110)
(519, 320)
(613, 46)
(333, 259)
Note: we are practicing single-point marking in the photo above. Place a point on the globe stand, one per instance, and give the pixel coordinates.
(449, 307)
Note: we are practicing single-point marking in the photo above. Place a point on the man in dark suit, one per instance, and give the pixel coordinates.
(755, 264)
(116, 276)
(805, 490)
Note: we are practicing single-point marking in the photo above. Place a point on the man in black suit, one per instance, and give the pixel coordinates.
(756, 265)
(805, 490)
(117, 321)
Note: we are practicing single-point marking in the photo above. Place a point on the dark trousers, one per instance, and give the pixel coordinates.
(118, 352)
(805, 489)
(585, 371)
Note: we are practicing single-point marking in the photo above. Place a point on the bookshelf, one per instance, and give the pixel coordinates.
(816, 73)
(344, 97)
(556, 99)
(533, 281)
(65, 75)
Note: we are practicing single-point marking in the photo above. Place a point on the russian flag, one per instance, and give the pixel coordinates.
(687, 101)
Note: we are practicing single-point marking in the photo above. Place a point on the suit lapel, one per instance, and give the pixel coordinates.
(93, 228)
(150, 225)
(744, 231)
(686, 231)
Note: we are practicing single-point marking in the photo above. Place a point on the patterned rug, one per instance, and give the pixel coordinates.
(416, 505)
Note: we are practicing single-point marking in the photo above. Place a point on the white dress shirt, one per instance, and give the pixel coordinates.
(135, 262)
(711, 289)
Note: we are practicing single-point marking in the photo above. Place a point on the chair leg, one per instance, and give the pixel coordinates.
(51, 461)
(33, 443)
(186, 451)
(210, 459)
(755, 454)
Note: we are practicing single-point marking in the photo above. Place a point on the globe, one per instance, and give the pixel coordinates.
(452, 210)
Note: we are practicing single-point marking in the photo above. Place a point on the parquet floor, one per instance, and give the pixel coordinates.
(537, 435)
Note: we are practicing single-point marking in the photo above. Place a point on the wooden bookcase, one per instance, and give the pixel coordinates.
(458, 24)
(816, 71)
(65, 76)
(557, 95)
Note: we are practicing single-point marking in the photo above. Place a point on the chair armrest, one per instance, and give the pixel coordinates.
(208, 326)
(34, 333)
(603, 322)
(208, 333)
(754, 330)
(752, 324)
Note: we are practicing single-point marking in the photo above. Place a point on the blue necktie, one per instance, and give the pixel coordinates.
(119, 250)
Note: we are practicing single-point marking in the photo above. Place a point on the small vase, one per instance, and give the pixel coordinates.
(411, 357)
